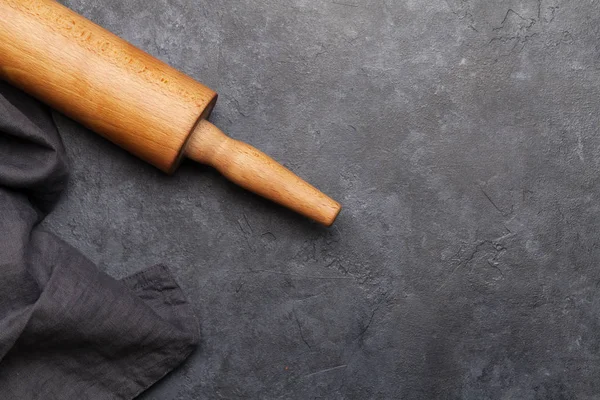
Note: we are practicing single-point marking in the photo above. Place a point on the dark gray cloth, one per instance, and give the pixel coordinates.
(67, 330)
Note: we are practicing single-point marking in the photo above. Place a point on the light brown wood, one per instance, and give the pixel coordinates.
(254, 170)
(100, 80)
(135, 100)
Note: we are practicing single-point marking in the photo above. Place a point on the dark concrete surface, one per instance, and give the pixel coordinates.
(461, 137)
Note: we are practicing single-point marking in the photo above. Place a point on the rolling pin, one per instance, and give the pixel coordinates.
(136, 101)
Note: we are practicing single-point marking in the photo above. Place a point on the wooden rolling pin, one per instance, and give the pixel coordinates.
(136, 101)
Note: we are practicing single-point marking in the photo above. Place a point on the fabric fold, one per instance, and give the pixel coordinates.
(68, 330)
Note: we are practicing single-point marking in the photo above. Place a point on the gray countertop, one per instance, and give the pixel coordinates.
(461, 137)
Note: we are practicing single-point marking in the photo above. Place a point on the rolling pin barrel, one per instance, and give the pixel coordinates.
(134, 100)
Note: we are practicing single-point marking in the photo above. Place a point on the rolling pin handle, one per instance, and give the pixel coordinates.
(252, 169)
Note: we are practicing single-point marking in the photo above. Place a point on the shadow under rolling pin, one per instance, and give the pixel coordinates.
(135, 100)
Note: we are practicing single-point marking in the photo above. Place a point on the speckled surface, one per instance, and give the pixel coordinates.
(461, 137)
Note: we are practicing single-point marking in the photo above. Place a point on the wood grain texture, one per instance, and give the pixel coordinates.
(100, 80)
(254, 170)
(135, 100)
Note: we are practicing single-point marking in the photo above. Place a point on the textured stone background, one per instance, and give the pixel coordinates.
(461, 137)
